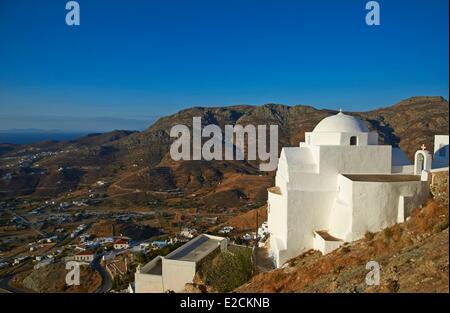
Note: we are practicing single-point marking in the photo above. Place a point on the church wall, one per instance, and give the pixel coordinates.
(334, 160)
(307, 212)
(313, 182)
(402, 169)
(340, 219)
(355, 160)
(342, 139)
(375, 205)
(361, 141)
(277, 216)
(372, 138)
(282, 169)
(319, 139)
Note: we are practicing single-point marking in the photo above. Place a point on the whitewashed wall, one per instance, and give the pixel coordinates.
(176, 274)
(375, 205)
(148, 283)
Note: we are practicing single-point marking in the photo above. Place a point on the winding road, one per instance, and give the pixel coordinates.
(106, 279)
(6, 287)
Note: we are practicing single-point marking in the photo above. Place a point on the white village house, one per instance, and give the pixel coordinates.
(121, 243)
(340, 184)
(173, 271)
(84, 256)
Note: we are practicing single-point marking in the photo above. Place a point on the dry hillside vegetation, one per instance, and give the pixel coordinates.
(51, 279)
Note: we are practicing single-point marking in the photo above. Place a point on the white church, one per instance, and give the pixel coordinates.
(340, 184)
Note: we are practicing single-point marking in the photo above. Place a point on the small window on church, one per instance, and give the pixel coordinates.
(353, 140)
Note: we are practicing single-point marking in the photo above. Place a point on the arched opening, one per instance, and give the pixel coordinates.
(353, 141)
(419, 163)
(422, 162)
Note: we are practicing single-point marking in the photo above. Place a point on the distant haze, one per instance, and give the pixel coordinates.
(31, 136)
(70, 124)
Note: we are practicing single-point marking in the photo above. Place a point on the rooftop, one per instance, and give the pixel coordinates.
(341, 123)
(383, 178)
(196, 249)
(154, 268)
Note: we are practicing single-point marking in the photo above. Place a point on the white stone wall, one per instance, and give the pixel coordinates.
(147, 283)
(403, 169)
(340, 138)
(340, 219)
(277, 216)
(355, 160)
(325, 246)
(176, 274)
(375, 205)
(306, 211)
(324, 139)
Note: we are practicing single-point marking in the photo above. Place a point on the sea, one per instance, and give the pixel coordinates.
(28, 137)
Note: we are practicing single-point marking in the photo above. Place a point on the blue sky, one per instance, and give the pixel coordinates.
(131, 61)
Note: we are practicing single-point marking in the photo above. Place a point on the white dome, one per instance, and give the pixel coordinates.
(341, 123)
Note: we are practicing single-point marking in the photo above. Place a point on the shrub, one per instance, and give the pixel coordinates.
(388, 233)
(231, 270)
(345, 249)
(442, 226)
(140, 258)
(338, 269)
(369, 236)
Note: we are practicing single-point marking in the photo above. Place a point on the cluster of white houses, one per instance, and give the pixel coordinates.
(340, 184)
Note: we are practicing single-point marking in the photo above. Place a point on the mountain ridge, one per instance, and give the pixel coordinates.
(131, 160)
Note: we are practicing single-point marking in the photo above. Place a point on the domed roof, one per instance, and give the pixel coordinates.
(341, 123)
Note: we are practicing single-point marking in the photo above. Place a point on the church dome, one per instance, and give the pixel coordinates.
(341, 123)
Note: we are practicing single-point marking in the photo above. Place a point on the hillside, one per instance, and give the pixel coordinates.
(138, 163)
(51, 279)
(413, 256)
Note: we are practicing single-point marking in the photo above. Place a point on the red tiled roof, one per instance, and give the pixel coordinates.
(121, 241)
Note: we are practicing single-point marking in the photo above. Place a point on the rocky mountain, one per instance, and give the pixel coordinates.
(139, 162)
